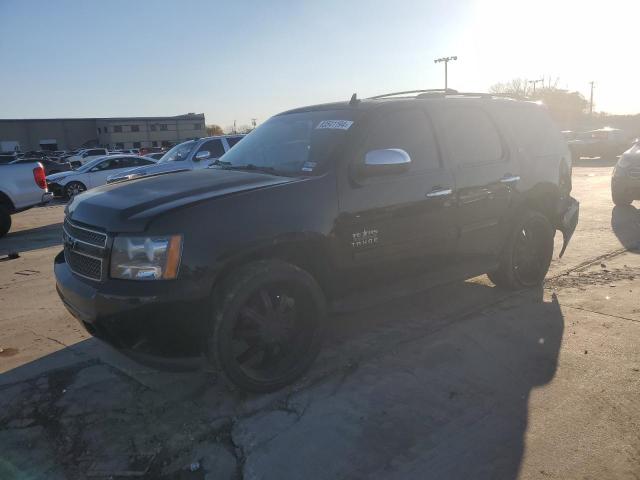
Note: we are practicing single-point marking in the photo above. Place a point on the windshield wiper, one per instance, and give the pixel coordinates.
(249, 167)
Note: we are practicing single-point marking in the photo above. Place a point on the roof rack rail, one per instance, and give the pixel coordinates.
(417, 92)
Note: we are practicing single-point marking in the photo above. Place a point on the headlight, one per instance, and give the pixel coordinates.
(146, 258)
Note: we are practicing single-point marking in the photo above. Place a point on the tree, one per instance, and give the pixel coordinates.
(567, 108)
(516, 88)
(213, 130)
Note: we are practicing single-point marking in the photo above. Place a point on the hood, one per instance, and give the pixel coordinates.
(54, 177)
(130, 206)
(631, 157)
(137, 172)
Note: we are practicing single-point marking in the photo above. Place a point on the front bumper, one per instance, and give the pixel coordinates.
(156, 321)
(567, 220)
(55, 188)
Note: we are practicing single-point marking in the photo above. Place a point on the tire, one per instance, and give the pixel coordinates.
(5, 221)
(619, 196)
(527, 255)
(267, 326)
(72, 189)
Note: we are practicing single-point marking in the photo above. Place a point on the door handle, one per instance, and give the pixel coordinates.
(440, 192)
(510, 178)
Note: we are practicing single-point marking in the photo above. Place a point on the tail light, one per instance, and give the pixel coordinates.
(39, 177)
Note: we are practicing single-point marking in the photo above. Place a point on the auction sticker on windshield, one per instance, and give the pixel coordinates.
(335, 124)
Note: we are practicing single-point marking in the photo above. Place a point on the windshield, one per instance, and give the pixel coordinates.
(179, 152)
(292, 144)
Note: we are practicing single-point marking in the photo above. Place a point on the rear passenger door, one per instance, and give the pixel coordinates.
(485, 175)
(400, 219)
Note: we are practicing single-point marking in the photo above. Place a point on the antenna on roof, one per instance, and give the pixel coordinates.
(354, 100)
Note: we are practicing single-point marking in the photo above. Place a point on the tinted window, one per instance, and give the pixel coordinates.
(409, 130)
(532, 130)
(233, 140)
(471, 136)
(214, 147)
(139, 162)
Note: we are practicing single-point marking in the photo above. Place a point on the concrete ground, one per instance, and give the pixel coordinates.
(459, 382)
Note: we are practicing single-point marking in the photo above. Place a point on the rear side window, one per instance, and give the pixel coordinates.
(471, 136)
(214, 147)
(532, 130)
(409, 130)
(233, 140)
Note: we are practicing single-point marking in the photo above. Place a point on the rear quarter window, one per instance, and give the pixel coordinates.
(532, 129)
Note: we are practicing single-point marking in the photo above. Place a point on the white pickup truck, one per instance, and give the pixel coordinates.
(22, 186)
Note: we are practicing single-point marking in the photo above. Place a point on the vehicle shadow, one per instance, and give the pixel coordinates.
(625, 223)
(434, 385)
(32, 239)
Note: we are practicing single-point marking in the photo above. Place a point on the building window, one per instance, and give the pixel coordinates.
(136, 144)
(197, 126)
(163, 127)
(135, 128)
(152, 127)
(117, 128)
(154, 144)
(99, 131)
(119, 145)
(106, 130)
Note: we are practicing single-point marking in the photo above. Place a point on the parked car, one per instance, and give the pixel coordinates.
(93, 174)
(317, 203)
(50, 166)
(604, 143)
(189, 155)
(88, 154)
(625, 181)
(22, 186)
(8, 157)
(155, 156)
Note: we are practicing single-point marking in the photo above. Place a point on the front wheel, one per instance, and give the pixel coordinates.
(73, 189)
(527, 255)
(267, 325)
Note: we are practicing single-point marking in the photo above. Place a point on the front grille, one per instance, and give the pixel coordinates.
(84, 249)
(88, 267)
(84, 234)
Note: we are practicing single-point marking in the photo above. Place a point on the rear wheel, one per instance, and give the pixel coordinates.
(5, 220)
(267, 325)
(74, 188)
(620, 196)
(527, 255)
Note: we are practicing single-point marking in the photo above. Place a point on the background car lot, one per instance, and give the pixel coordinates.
(493, 385)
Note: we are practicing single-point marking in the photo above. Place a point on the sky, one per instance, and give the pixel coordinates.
(238, 60)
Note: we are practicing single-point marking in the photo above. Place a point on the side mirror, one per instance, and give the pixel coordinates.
(386, 161)
(203, 155)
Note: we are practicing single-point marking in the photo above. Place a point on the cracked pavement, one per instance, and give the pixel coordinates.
(461, 381)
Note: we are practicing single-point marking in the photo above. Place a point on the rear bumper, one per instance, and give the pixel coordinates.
(46, 198)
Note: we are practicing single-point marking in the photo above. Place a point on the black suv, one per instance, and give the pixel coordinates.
(239, 263)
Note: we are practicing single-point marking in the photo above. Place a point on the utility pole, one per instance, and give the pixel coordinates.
(591, 99)
(534, 82)
(253, 122)
(446, 61)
